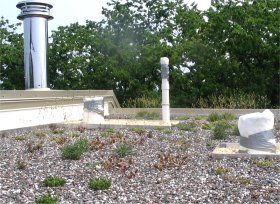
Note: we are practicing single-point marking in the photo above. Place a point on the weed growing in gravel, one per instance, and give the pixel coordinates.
(191, 126)
(139, 130)
(124, 149)
(75, 150)
(207, 126)
(221, 130)
(39, 134)
(159, 128)
(20, 138)
(107, 132)
(60, 140)
(31, 148)
(183, 144)
(235, 130)
(100, 183)
(46, 199)
(167, 131)
(74, 134)
(220, 170)
(169, 160)
(54, 181)
(198, 117)
(147, 115)
(21, 164)
(263, 163)
(214, 116)
(55, 129)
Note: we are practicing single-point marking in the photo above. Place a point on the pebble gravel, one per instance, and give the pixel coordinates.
(166, 166)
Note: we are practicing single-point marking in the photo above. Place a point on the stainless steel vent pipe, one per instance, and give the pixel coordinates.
(35, 15)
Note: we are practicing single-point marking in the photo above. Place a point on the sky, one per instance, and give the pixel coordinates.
(66, 11)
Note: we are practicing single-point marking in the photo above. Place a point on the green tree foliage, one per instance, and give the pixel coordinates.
(11, 56)
(233, 47)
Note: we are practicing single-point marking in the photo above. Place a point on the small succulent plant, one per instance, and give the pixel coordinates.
(46, 199)
(54, 181)
(100, 183)
(124, 149)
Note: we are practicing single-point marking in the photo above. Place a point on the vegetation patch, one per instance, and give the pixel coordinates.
(190, 126)
(74, 134)
(54, 181)
(139, 130)
(21, 164)
(220, 170)
(100, 183)
(221, 130)
(60, 140)
(46, 199)
(75, 151)
(263, 163)
(124, 149)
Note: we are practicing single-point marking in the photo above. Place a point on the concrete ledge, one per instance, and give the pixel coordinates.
(231, 150)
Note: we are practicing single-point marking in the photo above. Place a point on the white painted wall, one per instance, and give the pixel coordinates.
(28, 117)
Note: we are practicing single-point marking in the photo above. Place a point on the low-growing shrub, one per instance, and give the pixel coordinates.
(39, 133)
(100, 183)
(53, 181)
(75, 150)
(220, 170)
(221, 130)
(21, 164)
(139, 130)
(60, 140)
(46, 199)
(263, 163)
(191, 126)
(124, 149)
(20, 138)
(74, 134)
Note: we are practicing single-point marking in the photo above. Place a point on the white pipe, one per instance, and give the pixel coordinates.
(164, 62)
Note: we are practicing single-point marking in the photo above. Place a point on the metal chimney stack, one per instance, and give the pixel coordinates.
(35, 15)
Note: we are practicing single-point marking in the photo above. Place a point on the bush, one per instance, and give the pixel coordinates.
(75, 151)
(53, 181)
(100, 183)
(235, 100)
(123, 149)
(191, 126)
(221, 130)
(143, 102)
(46, 199)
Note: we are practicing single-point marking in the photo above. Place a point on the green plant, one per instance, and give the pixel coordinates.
(34, 147)
(263, 163)
(124, 149)
(21, 164)
(39, 133)
(75, 150)
(53, 181)
(167, 131)
(107, 132)
(221, 130)
(191, 126)
(46, 199)
(74, 134)
(220, 170)
(147, 115)
(143, 102)
(228, 116)
(57, 131)
(207, 126)
(235, 130)
(20, 138)
(100, 183)
(60, 140)
(214, 116)
(138, 130)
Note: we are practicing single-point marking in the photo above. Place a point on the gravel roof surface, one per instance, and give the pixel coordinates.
(165, 167)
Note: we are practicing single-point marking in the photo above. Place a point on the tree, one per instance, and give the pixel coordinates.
(11, 56)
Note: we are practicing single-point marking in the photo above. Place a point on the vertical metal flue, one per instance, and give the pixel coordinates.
(164, 62)
(35, 15)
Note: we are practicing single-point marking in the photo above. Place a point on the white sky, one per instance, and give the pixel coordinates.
(67, 11)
